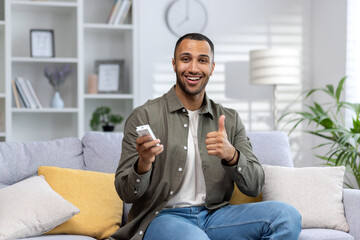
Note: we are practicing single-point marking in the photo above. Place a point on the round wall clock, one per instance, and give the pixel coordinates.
(184, 16)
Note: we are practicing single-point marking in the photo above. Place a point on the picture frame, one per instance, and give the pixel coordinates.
(42, 43)
(110, 75)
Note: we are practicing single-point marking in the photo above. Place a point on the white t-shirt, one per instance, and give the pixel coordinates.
(192, 190)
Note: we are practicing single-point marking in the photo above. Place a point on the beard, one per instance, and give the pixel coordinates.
(189, 91)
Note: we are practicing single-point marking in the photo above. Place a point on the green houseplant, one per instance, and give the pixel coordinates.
(328, 118)
(102, 116)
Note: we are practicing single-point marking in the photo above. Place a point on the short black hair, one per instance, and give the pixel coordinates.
(194, 36)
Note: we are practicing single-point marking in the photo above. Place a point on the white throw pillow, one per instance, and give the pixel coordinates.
(31, 208)
(316, 192)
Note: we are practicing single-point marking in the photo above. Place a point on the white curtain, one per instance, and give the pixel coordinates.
(353, 52)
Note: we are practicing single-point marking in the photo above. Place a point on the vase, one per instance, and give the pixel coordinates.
(57, 102)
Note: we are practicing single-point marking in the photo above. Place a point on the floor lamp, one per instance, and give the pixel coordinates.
(275, 67)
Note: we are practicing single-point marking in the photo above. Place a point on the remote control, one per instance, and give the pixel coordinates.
(145, 130)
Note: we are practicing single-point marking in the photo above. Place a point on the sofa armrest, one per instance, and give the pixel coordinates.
(351, 199)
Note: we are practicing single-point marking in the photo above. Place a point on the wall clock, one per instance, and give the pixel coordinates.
(184, 16)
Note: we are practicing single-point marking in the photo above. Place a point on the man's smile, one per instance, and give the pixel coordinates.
(193, 79)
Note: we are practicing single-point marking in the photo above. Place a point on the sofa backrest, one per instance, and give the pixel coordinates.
(20, 160)
(272, 148)
(102, 151)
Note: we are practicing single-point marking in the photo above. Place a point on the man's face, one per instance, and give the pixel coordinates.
(193, 65)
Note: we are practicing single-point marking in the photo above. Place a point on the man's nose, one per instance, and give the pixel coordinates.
(193, 67)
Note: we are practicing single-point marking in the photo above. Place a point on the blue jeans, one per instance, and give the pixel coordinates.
(263, 220)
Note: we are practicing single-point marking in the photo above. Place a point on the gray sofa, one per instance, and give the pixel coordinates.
(99, 151)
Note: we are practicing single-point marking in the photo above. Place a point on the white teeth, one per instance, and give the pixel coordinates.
(193, 78)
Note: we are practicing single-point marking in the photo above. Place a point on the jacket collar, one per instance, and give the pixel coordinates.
(174, 103)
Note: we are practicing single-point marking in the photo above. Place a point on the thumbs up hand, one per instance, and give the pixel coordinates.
(217, 142)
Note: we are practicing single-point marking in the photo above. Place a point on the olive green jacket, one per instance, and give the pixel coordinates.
(169, 121)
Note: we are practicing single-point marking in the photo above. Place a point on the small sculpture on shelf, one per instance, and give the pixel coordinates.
(56, 77)
(103, 116)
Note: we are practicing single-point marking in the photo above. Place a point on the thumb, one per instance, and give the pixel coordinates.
(222, 123)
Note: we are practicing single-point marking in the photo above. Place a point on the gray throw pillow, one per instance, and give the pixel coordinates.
(31, 208)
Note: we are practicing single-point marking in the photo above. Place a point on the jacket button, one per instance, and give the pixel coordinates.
(138, 180)
(183, 110)
(180, 169)
(239, 169)
(141, 232)
(172, 192)
(185, 125)
(157, 212)
(185, 147)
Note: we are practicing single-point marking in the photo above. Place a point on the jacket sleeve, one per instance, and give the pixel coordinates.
(248, 173)
(128, 183)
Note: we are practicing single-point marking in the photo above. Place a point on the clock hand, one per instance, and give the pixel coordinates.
(182, 22)
(187, 14)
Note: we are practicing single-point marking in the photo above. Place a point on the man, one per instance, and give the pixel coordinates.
(180, 184)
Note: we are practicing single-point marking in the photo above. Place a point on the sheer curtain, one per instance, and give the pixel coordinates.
(353, 52)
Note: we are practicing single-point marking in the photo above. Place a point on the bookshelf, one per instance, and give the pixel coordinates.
(3, 113)
(104, 41)
(81, 37)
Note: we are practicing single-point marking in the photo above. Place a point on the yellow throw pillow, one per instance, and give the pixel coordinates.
(93, 193)
(240, 198)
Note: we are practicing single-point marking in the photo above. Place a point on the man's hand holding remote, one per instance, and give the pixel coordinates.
(147, 149)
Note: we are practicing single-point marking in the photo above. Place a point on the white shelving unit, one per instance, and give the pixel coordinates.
(81, 36)
(2, 72)
(104, 41)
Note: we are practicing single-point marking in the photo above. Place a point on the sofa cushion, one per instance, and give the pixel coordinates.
(30, 208)
(316, 192)
(324, 234)
(20, 160)
(271, 148)
(239, 198)
(94, 194)
(102, 151)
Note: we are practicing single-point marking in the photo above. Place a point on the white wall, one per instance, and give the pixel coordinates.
(327, 60)
(238, 26)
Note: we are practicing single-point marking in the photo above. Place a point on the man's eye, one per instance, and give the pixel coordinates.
(185, 59)
(203, 60)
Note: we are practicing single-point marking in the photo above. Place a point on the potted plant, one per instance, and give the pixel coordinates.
(102, 116)
(343, 141)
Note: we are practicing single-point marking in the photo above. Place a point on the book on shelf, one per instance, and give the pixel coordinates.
(15, 94)
(22, 95)
(114, 11)
(33, 94)
(123, 12)
(27, 93)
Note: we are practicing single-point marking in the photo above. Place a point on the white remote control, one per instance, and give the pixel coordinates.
(145, 130)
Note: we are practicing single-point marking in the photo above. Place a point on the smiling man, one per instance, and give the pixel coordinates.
(180, 184)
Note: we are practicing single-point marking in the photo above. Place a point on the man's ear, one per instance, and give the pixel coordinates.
(212, 68)
(173, 63)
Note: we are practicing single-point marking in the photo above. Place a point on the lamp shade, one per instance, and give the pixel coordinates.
(275, 66)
